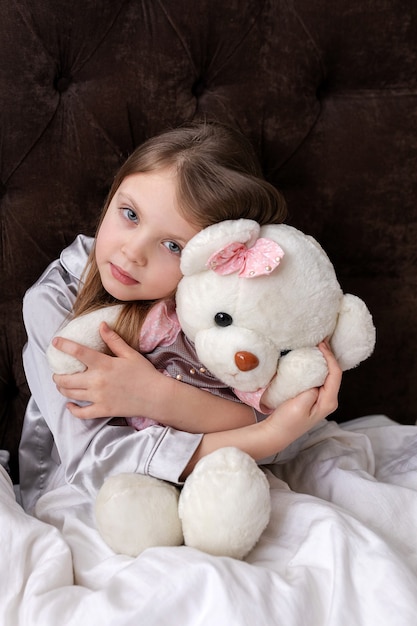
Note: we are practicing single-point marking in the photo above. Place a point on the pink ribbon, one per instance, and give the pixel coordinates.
(262, 258)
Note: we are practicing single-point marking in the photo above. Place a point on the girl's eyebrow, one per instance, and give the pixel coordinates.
(123, 195)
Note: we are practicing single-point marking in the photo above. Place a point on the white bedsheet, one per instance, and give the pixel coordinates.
(340, 550)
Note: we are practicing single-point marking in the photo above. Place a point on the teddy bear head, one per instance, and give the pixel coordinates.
(249, 295)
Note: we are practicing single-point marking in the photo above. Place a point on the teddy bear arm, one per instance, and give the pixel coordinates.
(83, 330)
(299, 370)
(353, 339)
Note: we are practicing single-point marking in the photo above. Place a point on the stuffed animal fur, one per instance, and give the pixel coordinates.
(255, 301)
(222, 509)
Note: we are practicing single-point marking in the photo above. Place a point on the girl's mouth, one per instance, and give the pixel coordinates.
(122, 276)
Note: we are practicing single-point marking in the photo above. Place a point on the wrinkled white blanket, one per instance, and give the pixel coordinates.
(340, 550)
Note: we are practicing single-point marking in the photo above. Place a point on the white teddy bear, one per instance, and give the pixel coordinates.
(255, 301)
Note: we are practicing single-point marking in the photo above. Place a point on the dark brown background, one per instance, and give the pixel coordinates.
(325, 90)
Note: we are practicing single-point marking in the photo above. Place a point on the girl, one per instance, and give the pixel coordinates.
(170, 188)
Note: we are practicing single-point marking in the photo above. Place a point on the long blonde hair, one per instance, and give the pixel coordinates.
(218, 178)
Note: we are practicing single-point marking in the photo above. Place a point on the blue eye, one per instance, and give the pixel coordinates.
(223, 319)
(172, 247)
(129, 214)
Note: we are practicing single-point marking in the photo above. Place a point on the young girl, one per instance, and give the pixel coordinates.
(170, 188)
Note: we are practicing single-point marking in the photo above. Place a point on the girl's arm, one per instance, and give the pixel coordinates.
(56, 448)
(129, 385)
(288, 422)
(87, 451)
(125, 382)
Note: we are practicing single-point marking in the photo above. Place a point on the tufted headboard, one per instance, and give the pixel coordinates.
(326, 91)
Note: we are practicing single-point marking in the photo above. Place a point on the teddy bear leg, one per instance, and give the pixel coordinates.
(135, 512)
(225, 504)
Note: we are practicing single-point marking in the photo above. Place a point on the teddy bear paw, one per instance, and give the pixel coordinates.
(135, 512)
(299, 370)
(225, 504)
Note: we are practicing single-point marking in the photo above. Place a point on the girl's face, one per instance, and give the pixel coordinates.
(139, 242)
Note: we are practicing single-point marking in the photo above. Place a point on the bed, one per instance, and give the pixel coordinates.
(340, 549)
(327, 94)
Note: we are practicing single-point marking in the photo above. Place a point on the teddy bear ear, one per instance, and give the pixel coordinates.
(198, 250)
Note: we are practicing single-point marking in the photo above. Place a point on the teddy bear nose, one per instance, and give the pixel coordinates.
(246, 361)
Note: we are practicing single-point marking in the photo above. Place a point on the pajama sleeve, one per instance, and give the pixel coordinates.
(57, 447)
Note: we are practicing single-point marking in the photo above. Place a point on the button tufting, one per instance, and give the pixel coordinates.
(62, 83)
(322, 90)
(199, 87)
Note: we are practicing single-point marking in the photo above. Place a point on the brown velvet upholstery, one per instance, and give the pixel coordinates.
(327, 92)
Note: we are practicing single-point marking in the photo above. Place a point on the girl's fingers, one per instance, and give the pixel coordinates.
(84, 354)
(335, 371)
(93, 358)
(327, 401)
(82, 412)
(67, 383)
(113, 341)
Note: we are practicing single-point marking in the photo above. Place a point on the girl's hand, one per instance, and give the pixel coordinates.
(127, 384)
(297, 416)
(121, 382)
(288, 422)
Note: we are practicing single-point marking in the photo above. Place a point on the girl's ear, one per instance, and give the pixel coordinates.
(199, 249)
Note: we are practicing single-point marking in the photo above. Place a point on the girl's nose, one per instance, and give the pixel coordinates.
(135, 251)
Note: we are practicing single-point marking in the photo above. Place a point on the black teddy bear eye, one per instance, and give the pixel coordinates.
(223, 319)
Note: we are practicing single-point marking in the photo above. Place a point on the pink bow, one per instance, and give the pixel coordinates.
(262, 258)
